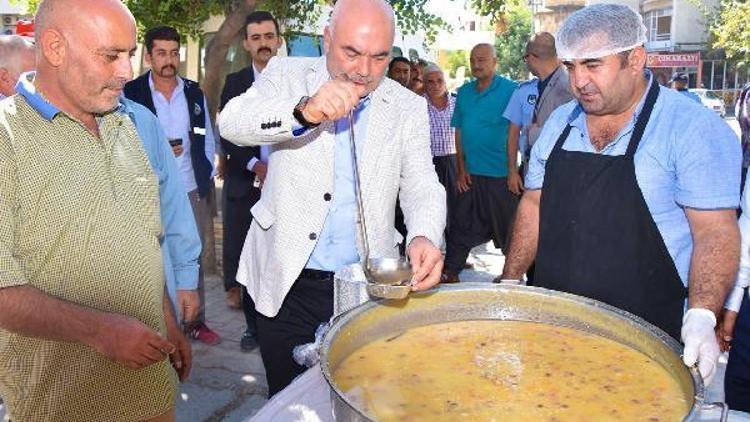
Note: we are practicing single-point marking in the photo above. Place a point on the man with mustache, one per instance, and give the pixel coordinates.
(246, 166)
(181, 109)
(484, 206)
(87, 330)
(304, 227)
(416, 82)
(399, 69)
(632, 189)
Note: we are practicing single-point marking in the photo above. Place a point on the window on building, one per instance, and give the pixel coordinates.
(659, 24)
(472, 26)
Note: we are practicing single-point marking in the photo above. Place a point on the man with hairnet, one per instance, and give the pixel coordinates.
(640, 186)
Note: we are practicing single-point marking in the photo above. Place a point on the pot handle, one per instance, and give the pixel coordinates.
(723, 406)
(700, 403)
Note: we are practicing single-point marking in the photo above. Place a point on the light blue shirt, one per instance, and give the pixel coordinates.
(692, 95)
(520, 108)
(337, 243)
(174, 117)
(688, 157)
(180, 244)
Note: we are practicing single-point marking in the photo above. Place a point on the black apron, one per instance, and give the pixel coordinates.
(597, 237)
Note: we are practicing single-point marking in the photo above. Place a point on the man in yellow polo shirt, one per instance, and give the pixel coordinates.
(83, 332)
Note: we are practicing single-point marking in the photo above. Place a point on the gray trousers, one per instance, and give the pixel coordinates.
(202, 213)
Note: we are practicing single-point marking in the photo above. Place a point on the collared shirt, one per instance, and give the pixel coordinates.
(692, 95)
(337, 243)
(484, 130)
(688, 157)
(174, 116)
(180, 244)
(79, 220)
(520, 109)
(265, 150)
(442, 135)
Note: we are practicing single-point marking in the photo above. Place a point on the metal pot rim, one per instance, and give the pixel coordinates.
(339, 322)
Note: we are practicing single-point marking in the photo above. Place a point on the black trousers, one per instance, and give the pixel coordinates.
(446, 168)
(236, 222)
(308, 304)
(485, 212)
(737, 376)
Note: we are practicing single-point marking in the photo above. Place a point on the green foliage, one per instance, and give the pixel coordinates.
(188, 15)
(730, 29)
(511, 43)
(456, 59)
(492, 8)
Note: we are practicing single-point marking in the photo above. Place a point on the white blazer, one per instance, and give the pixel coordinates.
(292, 209)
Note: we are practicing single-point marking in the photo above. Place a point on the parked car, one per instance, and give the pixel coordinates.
(711, 100)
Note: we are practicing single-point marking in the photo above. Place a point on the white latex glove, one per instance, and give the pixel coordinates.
(700, 341)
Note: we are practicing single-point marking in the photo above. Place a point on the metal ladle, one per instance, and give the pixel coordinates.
(387, 278)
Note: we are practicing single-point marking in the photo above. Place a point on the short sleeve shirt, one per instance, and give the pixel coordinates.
(688, 157)
(80, 221)
(520, 108)
(484, 130)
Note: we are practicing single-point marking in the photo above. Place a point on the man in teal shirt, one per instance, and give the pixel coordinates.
(484, 206)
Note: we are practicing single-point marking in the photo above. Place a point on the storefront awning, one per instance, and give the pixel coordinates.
(654, 60)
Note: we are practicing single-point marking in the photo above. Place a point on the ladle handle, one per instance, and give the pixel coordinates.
(358, 193)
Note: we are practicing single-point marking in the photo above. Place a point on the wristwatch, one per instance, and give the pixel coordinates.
(299, 116)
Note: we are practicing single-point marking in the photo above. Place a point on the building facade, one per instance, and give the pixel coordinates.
(10, 14)
(677, 37)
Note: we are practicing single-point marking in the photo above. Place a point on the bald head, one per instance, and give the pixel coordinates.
(16, 57)
(379, 12)
(358, 42)
(485, 49)
(483, 61)
(56, 15)
(542, 45)
(83, 63)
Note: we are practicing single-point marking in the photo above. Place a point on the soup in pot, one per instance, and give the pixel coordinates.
(507, 370)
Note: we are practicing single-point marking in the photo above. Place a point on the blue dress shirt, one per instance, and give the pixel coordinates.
(180, 244)
(688, 158)
(337, 242)
(520, 109)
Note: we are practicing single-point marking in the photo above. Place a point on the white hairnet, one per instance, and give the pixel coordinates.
(600, 30)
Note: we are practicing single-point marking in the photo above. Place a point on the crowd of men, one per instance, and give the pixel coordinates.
(591, 178)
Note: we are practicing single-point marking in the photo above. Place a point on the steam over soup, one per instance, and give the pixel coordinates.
(507, 371)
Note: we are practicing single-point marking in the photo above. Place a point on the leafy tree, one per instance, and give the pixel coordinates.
(188, 17)
(511, 43)
(456, 59)
(730, 29)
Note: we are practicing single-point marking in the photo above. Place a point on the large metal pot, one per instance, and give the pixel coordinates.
(473, 301)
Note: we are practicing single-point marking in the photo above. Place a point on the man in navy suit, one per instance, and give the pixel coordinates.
(245, 167)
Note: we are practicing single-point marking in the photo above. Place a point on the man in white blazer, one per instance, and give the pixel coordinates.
(305, 224)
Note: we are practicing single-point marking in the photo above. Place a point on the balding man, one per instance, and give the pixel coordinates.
(305, 225)
(82, 289)
(16, 57)
(484, 206)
